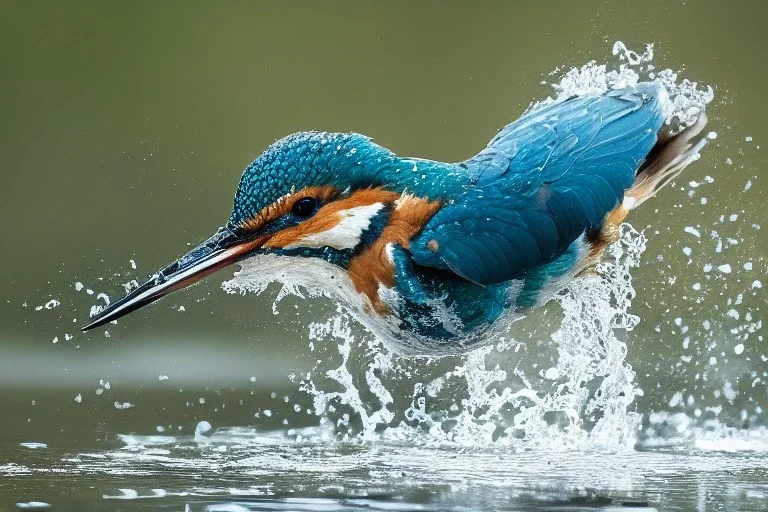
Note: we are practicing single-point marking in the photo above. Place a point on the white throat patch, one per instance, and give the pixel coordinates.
(346, 234)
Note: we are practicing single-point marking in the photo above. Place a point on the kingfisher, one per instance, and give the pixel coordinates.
(441, 252)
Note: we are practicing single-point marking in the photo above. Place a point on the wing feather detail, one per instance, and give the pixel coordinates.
(541, 183)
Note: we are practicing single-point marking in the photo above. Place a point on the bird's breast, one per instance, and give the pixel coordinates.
(373, 268)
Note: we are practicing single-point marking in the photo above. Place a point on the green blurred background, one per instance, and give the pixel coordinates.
(124, 128)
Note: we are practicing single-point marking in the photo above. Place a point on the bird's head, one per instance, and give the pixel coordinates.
(309, 195)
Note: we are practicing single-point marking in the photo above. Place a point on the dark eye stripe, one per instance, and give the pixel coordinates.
(304, 207)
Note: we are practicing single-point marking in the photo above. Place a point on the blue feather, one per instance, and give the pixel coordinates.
(545, 179)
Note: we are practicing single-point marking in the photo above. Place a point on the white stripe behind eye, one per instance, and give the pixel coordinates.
(344, 235)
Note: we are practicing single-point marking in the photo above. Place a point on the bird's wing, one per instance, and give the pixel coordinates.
(542, 182)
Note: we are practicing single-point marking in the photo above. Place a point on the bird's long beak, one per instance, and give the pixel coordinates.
(219, 251)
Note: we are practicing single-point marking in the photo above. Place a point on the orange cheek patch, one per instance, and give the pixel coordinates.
(329, 216)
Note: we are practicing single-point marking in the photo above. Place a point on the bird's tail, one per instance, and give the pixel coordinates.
(672, 153)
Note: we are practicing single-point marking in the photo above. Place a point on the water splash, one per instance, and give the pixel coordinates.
(493, 395)
(686, 100)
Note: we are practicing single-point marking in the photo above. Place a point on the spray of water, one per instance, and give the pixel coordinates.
(492, 396)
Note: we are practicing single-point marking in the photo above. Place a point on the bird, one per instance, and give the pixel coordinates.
(442, 251)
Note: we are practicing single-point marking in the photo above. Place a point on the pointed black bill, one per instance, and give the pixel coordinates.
(219, 251)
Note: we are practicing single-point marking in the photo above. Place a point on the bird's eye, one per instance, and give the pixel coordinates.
(304, 207)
